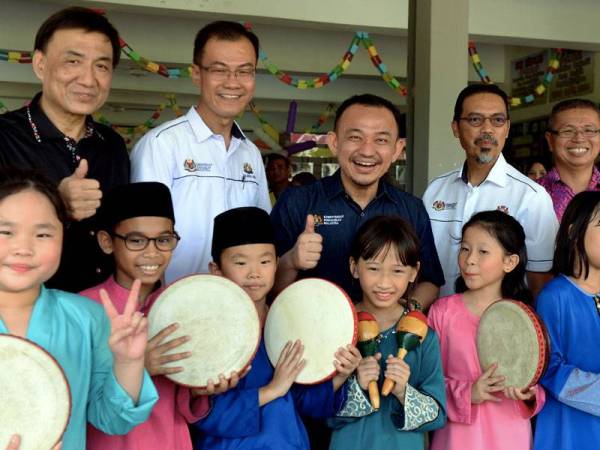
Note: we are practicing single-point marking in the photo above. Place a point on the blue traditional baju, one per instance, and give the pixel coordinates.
(571, 417)
(75, 331)
(236, 420)
(395, 426)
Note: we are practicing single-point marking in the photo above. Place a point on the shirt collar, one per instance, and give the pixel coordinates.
(497, 175)
(43, 128)
(553, 177)
(203, 132)
(333, 186)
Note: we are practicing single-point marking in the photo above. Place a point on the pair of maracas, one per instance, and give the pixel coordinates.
(410, 332)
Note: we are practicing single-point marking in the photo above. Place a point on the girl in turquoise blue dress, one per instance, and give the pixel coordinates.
(100, 351)
(384, 260)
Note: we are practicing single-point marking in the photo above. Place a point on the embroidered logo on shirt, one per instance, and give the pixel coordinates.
(333, 219)
(318, 219)
(440, 205)
(189, 165)
(503, 208)
(248, 168)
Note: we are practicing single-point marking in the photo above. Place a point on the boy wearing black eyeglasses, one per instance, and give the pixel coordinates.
(136, 226)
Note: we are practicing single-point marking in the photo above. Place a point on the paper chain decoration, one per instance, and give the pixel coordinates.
(360, 38)
(553, 65)
(149, 123)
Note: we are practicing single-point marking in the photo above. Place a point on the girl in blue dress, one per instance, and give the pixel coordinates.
(100, 351)
(384, 259)
(570, 308)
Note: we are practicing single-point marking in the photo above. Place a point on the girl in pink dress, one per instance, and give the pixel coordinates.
(483, 413)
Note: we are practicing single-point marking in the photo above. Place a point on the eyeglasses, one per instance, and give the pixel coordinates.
(222, 73)
(477, 120)
(570, 133)
(137, 242)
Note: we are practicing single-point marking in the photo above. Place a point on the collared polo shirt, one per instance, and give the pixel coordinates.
(451, 201)
(338, 217)
(561, 193)
(29, 140)
(205, 179)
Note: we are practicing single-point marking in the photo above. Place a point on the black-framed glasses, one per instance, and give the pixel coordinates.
(223, 73)
(571, 132)
(477, 120)
(137, 242)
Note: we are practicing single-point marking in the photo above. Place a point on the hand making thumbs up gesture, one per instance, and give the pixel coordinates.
(307, 251)
(81, 195)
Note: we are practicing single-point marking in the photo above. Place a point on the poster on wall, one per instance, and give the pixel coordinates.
(574, 77)
(526, 73)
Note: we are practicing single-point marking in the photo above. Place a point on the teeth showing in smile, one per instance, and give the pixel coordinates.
(364, 164)
(149, 268)
(577, 150)
(230, 97)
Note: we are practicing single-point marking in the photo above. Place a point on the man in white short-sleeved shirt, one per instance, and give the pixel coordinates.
(204, 157)
(487, 182)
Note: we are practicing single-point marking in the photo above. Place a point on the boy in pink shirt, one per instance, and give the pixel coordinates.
(137, 228)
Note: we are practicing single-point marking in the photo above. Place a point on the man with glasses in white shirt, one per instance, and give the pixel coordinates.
(487, 182)
(574, 139)
(204, 157)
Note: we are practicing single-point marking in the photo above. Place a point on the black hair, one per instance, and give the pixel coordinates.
(370, 100)
(571, 103)
(74, 18)
(570, 257)
(380, 234)
(277, 157)
(223, 30)
(474, 89)
(14, 181)
(509, 233)
(303, 179)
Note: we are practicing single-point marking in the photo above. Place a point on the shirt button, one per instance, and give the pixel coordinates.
(92, 233)
(362, 214)
(98, 270)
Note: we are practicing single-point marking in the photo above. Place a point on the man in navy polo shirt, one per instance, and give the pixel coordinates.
(315, 224)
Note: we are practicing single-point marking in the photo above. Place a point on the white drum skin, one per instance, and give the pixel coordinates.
(321, 315)
(220, 319)
(35, 397)
(512, 335)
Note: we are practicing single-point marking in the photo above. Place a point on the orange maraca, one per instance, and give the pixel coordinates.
(410, 332)
(368, 332)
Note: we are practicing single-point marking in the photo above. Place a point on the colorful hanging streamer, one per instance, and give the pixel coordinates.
(553, 65)
(360, 37)
(15, 56)
(323, 118)
(148, 123)
(264, 123)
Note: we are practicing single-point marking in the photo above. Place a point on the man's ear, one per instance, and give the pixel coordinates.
(105, 241)
(400, 148)
(454, 126)
(38, 64)
(214, 269)
(196, 75)
(332, 142)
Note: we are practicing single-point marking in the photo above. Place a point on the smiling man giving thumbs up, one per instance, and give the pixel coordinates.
(315, 224)
(75, 53)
